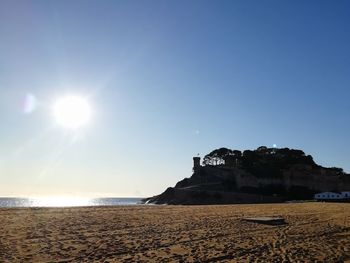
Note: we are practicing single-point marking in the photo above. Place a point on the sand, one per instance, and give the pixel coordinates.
(315, 232)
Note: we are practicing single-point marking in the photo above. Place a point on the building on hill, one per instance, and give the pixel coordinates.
(196, 163)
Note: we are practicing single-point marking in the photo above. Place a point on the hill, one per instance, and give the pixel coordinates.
(263, 175)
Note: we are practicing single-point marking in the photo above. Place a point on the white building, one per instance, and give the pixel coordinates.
(346, 195)
(332, 196)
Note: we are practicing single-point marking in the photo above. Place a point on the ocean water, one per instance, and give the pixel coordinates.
(66, 202)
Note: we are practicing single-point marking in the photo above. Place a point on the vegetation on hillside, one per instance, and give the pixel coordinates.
(264, 161)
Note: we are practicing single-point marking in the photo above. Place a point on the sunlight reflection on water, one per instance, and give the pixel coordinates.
(60, 201)
(53, 201)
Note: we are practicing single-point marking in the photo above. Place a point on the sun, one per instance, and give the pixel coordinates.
(72, 111)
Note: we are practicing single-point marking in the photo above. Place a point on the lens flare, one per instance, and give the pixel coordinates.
(29, 103)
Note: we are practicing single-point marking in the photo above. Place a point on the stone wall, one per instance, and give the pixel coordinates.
(317, 179)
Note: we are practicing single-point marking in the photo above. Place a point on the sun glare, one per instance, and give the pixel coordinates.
(59, 201)
(72, 111)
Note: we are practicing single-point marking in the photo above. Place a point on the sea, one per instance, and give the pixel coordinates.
(9, 202)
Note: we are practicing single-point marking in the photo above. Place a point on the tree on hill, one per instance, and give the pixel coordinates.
(263, 161)
(217, 156)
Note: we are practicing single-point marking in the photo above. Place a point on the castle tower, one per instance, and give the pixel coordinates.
(196, 163)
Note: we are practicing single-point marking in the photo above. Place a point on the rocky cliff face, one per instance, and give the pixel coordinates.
(263, 175)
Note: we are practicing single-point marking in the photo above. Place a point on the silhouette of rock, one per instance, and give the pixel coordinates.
(259, 176)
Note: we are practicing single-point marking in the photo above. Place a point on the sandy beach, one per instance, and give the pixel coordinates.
(315, 232)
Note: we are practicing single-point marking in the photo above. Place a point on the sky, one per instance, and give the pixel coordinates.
(166, 80)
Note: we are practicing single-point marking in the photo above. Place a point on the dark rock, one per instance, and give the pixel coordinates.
(261, 176)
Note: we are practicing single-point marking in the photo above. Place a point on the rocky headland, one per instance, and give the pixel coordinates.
(264, 175)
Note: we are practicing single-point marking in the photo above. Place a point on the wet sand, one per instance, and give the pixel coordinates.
(315, 232)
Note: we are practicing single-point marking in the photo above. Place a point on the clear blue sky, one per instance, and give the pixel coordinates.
(167, 80)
